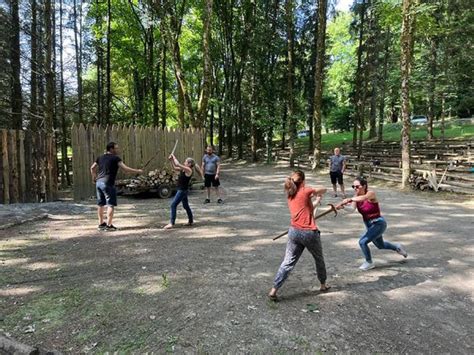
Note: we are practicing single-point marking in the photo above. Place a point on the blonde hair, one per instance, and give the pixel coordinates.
(191, 161)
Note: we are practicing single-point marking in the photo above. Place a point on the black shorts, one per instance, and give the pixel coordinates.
(336, 176)
(211, 180)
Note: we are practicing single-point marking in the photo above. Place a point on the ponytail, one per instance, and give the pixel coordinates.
(293, 183)
(290, 187)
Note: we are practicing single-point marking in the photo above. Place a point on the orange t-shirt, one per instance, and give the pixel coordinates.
(301, 209)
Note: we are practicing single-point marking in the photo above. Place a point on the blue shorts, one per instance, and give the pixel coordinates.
(106, 194)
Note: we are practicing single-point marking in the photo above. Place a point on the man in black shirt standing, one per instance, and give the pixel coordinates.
(104, 180)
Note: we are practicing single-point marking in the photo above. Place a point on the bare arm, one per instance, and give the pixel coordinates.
(344, 165)
(128, 169)
(178, 166)
(319, 191)
(370, 195)
(93, 170)
(218, 170)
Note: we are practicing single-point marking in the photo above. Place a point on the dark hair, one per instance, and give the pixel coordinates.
(292, 185)
(363, 182)
(110, 146)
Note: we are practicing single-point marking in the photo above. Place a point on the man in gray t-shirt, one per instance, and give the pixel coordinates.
(337, 165)
(211, 165)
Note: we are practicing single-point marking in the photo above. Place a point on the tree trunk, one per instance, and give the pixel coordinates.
(16, 101)
(383, 85)
(163, 84)
(99, 64)
(207, 67)
(65, 180)
(181, 105)
(406, 42)
(290, 77)
(49, 108)
(358, 98)
(221, 131)
(432, 85)
(319, 80)
(78, 55)
(34, 68)
(108, 94)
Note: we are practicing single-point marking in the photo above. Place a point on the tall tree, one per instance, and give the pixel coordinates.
(108, 94)
(319, 80)
(406, 42)
(289, 8)
(65, 180)
(207, 65)
(77, 27)
(34, 67)
(16, 100)
(49, 70)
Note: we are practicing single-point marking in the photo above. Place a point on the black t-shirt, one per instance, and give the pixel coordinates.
(108, 168)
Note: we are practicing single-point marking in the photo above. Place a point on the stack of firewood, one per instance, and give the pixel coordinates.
(152, 180)
(419, 182)
(163, 176)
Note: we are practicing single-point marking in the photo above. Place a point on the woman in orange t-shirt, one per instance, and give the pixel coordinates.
(303, 232)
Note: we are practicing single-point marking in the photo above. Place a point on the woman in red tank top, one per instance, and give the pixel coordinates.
(368, 206)
(303, 232)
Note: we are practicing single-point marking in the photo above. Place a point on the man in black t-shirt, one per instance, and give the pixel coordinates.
(108, 165)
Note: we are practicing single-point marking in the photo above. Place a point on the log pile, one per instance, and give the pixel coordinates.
(152, 180)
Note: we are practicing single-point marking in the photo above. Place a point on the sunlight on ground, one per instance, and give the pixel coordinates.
(19, 291)
(44, 265)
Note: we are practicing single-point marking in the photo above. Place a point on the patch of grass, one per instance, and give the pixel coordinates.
(272, 304)
(392, 133)
(47, 311)
(171, 341)
(165, 281)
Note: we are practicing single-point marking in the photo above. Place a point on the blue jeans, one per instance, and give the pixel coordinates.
(181, 196)
(375, 229)
(298, 240)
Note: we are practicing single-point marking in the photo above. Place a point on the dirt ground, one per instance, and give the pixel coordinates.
(66, 286)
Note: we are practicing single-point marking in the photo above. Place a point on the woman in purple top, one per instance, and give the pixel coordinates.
(368, 206)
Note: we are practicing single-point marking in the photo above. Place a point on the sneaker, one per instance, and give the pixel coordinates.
(110, 228)
(207, 200)
(220, 201)
(401, 250)
(366, 266)
(102, 226)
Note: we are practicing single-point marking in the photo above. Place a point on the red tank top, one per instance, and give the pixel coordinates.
(301, 209)
(368, 210)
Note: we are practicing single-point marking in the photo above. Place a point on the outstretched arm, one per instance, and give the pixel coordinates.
(370, 195)
(128, 169)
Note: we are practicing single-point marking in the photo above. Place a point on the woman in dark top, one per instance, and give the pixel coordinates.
(303, 232)
(184, 177)
(368, 206)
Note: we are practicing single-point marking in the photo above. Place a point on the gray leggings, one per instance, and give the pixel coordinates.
(298, 240)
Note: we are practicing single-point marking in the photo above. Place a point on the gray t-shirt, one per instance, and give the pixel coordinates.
(210, 163)
(336, 162)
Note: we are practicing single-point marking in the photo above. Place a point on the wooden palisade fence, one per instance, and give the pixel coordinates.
(28, 169)
(137, 146)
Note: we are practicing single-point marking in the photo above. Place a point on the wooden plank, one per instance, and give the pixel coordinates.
(21, 161)
(84, 158)
(132, 162)
(161, 148)
(75, 154)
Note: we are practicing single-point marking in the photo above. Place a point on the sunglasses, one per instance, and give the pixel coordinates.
(355, 187)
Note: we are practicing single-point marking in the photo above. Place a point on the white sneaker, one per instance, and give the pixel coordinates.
(366, 266)
(401, 250)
